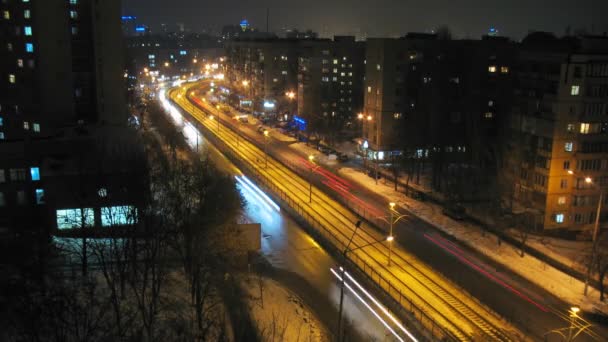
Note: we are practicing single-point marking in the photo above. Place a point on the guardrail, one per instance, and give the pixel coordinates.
(405, 306)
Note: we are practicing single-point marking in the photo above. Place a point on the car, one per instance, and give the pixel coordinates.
(342, 157)
(455, 211)
(261, 129)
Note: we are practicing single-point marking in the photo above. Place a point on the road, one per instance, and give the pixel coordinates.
(530, 308)
(301, 262)
(440, 306)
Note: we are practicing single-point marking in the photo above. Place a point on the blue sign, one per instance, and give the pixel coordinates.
(299, 123)
(140, 28)
(128, 17)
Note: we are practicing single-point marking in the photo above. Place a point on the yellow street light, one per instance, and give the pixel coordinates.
(245, 83)
(575, 309)
(210, 117)
(290, 94)
(390, 238)
(195, 61)
(588, 180)
(191, 93)
(311, 157)
(166, 64)
(146, 70)
(266, 133)
(360, 116)
(369, 118)
(392, 205)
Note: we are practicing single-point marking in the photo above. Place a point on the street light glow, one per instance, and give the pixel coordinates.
(392, 205)
(360, 116)
(311, 157)
(588, 180)
(245, 83)
(369, 118)
(265, 133)
(390, 238)
(575, 309)
(290, 94)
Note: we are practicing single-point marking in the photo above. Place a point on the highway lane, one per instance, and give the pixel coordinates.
(534, 310)
(464, 318)
(304, 264)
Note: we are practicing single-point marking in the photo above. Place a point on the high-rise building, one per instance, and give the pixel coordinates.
(437, 98)
(556, 158)
(330, 85)
(61, 80)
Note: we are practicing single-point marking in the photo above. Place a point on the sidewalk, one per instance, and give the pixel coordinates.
(562, 285)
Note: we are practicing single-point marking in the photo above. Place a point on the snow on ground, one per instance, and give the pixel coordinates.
(560, 284)
(310, 150)
(281, 315)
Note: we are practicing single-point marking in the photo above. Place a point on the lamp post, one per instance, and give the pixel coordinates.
(574, 329)
(313, 167)
(218, 117)
(395, 216)
(596, 226)
(342, 270)
(265, 149)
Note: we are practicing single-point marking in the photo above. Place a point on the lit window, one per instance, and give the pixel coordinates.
(284, 72)
(490, 103)
(74, 30)
(26, 125)
(75, 218)
(2, 200)
(73, 2)
(20, 63)
(575, 90)
(29, 47)
(504, 69)
(11, 78)
(73, 14)
(35, 173)
(6, 15)
(9, 46)
(559, 218)
(324, 79)
(36, 127)
(1, 121)
(561, 200)
(1, 135)
(26, 14)
(492, 68)
(183, 52)
(335, 61)
(584, 128)
(488, 115)
(275, 80)
(570, 128)
(568, 146)
(378, 67)
(118, 216)
(27, 30)
(369, 89)
(39, 196)
(335, 70)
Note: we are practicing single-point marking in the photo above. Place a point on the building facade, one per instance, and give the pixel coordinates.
(557, 152)
(62, 78)
(436, 98)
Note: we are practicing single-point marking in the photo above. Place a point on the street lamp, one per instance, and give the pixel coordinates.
(313, 167)
(342, 270)
(575, 328)
(596, 226)
(394, 218)
(266, 149)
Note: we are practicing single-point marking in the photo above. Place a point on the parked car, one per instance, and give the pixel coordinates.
(455, 211)
(261, 129)
(342, 157)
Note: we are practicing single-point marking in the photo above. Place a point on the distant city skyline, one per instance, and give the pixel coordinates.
(466, 19)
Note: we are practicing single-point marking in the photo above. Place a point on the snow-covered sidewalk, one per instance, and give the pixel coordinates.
(281, 315)
(538, 272)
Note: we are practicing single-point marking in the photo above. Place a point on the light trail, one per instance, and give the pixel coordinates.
(368, 306)
(486, 273)
(380, 306)
(262, 194)
(253, 193)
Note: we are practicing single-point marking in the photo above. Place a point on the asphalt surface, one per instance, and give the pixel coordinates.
(302, 265)
(532, 309)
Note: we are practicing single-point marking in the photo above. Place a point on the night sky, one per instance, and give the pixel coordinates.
(466, 18)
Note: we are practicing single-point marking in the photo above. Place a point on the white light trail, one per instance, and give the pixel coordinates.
(380, 306)
(270, 201)
(368, 306)
(254, 193)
